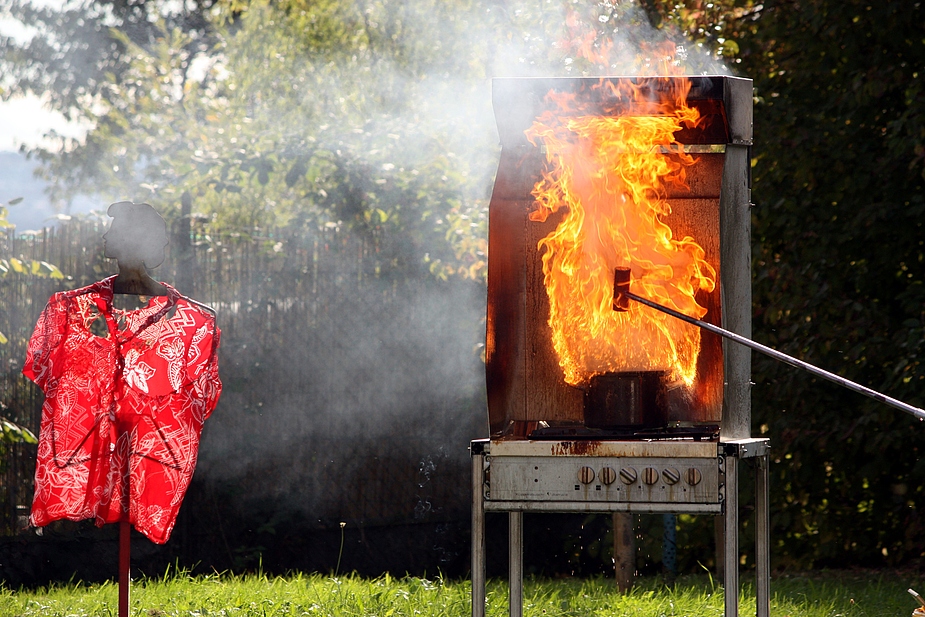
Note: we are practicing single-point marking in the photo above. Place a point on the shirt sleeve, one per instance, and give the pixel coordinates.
(202, 367)
(46, 342)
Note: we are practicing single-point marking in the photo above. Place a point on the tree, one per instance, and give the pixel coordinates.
(372, 114)
(359, 114)
(319, 115)
(840, 264)
(839, 172)
(69, 53)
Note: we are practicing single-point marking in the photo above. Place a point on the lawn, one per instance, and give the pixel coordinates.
(825, 594)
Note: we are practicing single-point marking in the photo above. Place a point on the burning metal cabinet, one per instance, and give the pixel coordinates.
(594, 407)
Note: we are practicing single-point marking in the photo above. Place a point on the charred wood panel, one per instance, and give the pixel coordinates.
(549, 398)
(699, 218)
(504, 336)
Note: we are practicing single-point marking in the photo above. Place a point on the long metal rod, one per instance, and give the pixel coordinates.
(777, 355)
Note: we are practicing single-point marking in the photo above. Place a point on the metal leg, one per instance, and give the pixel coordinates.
(516, 563)
(670, 546)
(762, 538)
(624, 550)
(731, 539)
(478, 537)
(719, 534)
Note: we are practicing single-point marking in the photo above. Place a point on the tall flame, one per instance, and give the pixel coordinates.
(608, 172)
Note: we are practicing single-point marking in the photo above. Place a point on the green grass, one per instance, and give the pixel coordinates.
(827, 594)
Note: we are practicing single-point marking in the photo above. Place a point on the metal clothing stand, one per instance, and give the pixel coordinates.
(125, 533)
(125, 551)
(516, 501)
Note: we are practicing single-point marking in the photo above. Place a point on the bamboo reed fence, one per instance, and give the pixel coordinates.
(351, 380)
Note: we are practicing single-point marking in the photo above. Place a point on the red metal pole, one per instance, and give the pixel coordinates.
(125, 527)
(125, 550)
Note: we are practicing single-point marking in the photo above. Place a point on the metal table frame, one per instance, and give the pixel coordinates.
(730, 453)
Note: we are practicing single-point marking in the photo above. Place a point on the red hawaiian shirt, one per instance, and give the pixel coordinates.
(125, 400)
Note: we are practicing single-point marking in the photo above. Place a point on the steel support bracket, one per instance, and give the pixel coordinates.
(745, 448)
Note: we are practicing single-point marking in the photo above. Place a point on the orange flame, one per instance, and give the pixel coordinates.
(608, 173)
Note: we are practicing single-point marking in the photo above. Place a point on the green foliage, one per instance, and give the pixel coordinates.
(29, 267)
(373, 114)
(316, 117)
(12, 266)
(839, 266)
(839, 261)
(68, 55)
(13, 433)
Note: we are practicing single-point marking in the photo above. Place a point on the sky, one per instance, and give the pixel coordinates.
(25, 120)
